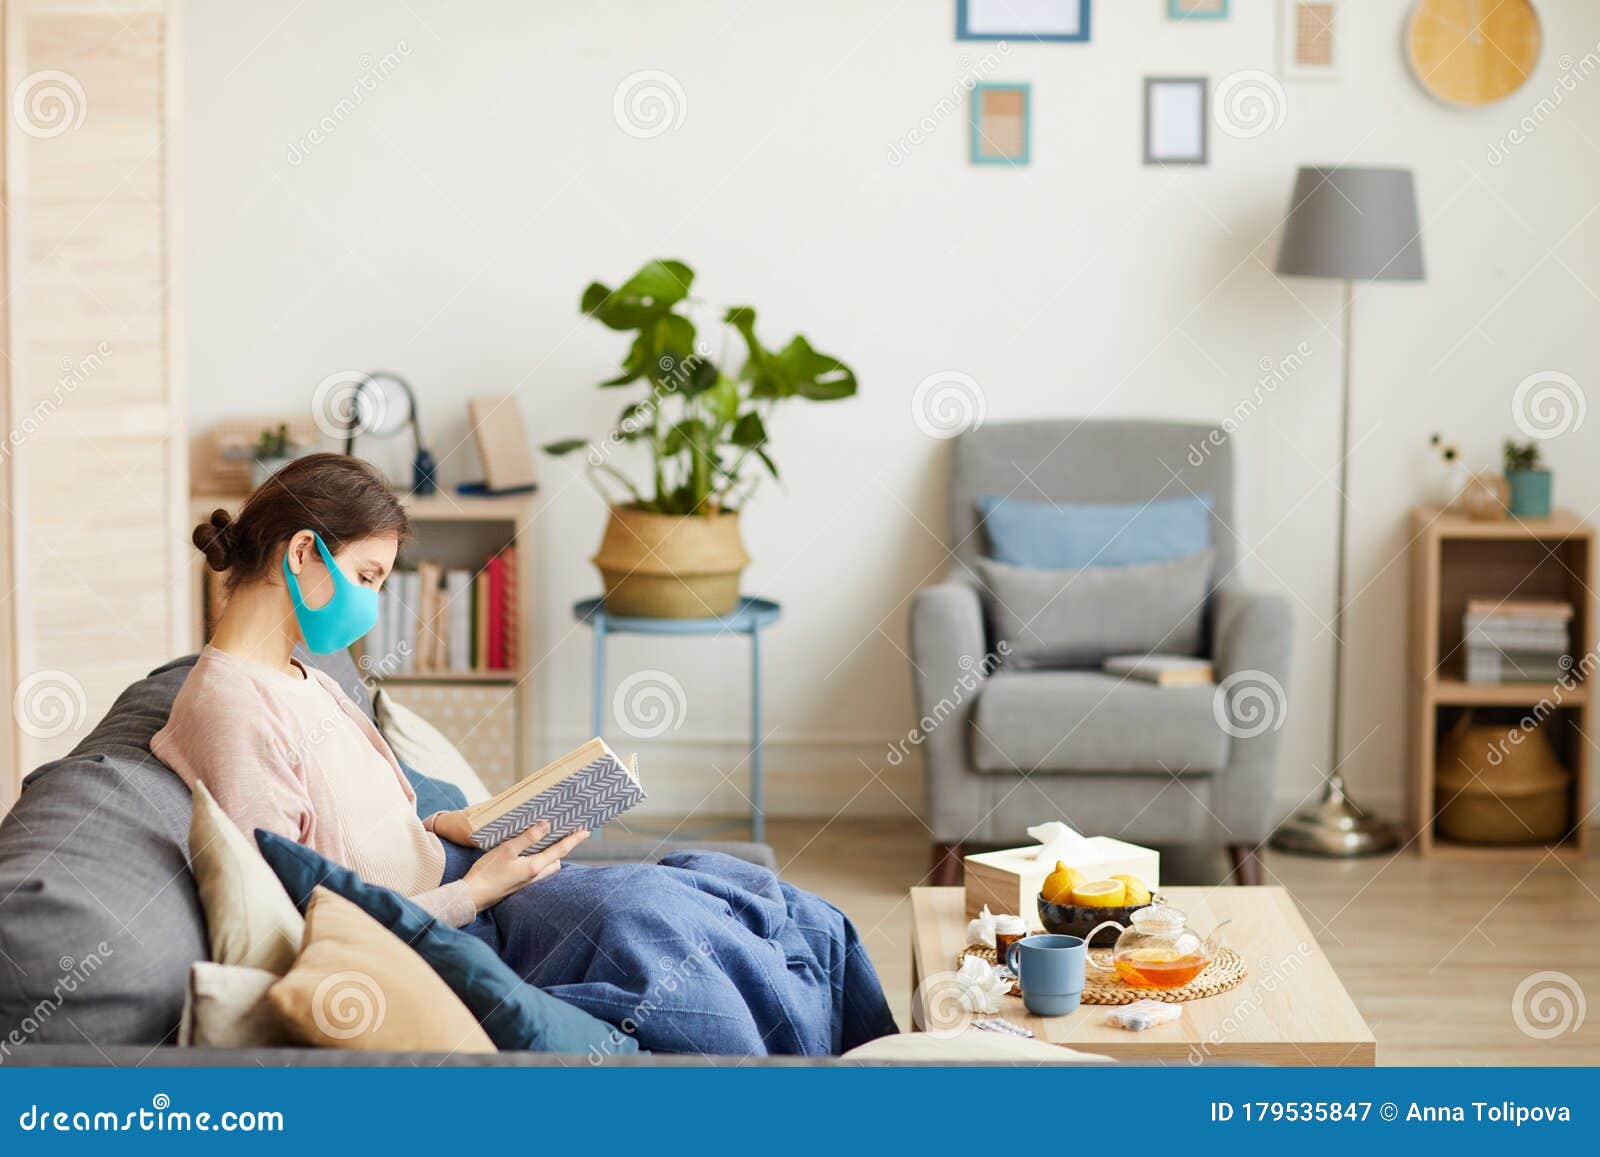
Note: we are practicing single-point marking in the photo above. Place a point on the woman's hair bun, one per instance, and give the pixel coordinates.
(215, 539)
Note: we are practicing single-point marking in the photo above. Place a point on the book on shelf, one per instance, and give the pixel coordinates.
(1495, 666)
(1518, 638)
(510, 652)
(586, 788)
(458, 613)
(497, 614)
(1548, 610)
(434, 620)
(1162, 670)
(480, 621)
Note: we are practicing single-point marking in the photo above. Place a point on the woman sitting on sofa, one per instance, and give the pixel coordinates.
(755, 965)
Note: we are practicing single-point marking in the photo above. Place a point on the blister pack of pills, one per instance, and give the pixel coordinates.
(1143, 1014)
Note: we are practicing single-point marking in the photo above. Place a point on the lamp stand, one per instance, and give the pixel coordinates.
(1335, 825)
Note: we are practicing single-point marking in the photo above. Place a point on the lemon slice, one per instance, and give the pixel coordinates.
(1100, 894)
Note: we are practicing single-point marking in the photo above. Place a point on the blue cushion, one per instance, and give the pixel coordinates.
(1075, 535)
(515, 1014)
(433, 795)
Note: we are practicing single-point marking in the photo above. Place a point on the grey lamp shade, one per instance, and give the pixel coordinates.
(1355, 224)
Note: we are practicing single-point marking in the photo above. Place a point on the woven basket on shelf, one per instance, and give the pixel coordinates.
(1493, 790)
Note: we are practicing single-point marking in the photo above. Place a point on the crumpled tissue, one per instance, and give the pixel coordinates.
(981, 985)
(980, 929)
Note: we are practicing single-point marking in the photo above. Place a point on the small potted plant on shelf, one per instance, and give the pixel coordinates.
(1451, 471)
(1529, 480)
(672, 548)
(273, 450)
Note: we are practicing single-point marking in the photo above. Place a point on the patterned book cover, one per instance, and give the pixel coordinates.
(590, 797)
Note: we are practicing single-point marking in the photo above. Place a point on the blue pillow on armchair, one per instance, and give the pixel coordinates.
(514, 1013)
(433, 795)
(1076, 535)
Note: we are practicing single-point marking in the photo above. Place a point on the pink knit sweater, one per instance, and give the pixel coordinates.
(295, 756)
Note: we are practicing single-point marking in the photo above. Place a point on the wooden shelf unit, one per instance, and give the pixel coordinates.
(457, 531)
(1455, 559)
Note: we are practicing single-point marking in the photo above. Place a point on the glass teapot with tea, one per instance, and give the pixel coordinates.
(1157, 950)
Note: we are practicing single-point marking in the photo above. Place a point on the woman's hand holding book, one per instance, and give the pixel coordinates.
(504, 869)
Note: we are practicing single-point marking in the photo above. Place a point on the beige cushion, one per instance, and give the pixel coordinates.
(250, 920)
(420, 745)
(356, 985)
(226, 1007)
(971, 1047)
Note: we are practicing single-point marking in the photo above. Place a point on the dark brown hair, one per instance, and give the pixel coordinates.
(341, 498)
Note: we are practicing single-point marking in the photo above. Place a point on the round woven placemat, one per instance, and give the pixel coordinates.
(1226, 971)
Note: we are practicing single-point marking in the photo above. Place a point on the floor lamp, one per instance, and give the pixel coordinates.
(1348, 224)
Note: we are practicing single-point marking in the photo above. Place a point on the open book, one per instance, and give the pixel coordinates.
(586, 788)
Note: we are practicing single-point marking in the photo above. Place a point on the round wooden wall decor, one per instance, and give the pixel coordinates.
(1473, 52)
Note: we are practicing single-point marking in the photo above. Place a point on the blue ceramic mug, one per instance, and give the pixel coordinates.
(1051, 969)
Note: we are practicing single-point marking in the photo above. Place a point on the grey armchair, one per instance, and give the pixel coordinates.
(1007, 749)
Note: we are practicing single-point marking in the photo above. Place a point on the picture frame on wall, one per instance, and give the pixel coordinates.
(1311, 36)
(1002, 126)
(1066, 20)
(1197, 9)
(1176, 120)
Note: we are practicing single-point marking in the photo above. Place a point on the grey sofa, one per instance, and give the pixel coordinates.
(1014, 748)
(99, 919)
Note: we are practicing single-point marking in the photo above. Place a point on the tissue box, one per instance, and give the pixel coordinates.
(1010, 881)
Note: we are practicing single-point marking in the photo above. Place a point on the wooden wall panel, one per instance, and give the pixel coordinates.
(96, 478)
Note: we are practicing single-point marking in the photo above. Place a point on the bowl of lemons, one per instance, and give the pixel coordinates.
(1070, 904)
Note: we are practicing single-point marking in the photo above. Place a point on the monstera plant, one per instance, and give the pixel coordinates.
(673, 548)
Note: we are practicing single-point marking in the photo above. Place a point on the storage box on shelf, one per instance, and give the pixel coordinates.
(476, 705)
(1456, 560)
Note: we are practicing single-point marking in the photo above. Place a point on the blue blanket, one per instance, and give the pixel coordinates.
(701, 953)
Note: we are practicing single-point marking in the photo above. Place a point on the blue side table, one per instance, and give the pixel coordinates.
(749, 618)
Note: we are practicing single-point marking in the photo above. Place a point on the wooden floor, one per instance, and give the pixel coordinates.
(1431, 950)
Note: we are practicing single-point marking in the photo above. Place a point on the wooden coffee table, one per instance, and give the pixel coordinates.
(1290, 1009)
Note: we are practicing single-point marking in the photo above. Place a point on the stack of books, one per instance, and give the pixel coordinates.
(433, 620)
(1517, 641)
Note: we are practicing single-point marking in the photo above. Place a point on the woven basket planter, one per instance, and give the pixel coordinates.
(671, 566)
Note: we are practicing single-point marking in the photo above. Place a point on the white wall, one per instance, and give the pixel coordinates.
(447, 224)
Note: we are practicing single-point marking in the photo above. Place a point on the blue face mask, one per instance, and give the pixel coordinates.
(349, 614)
